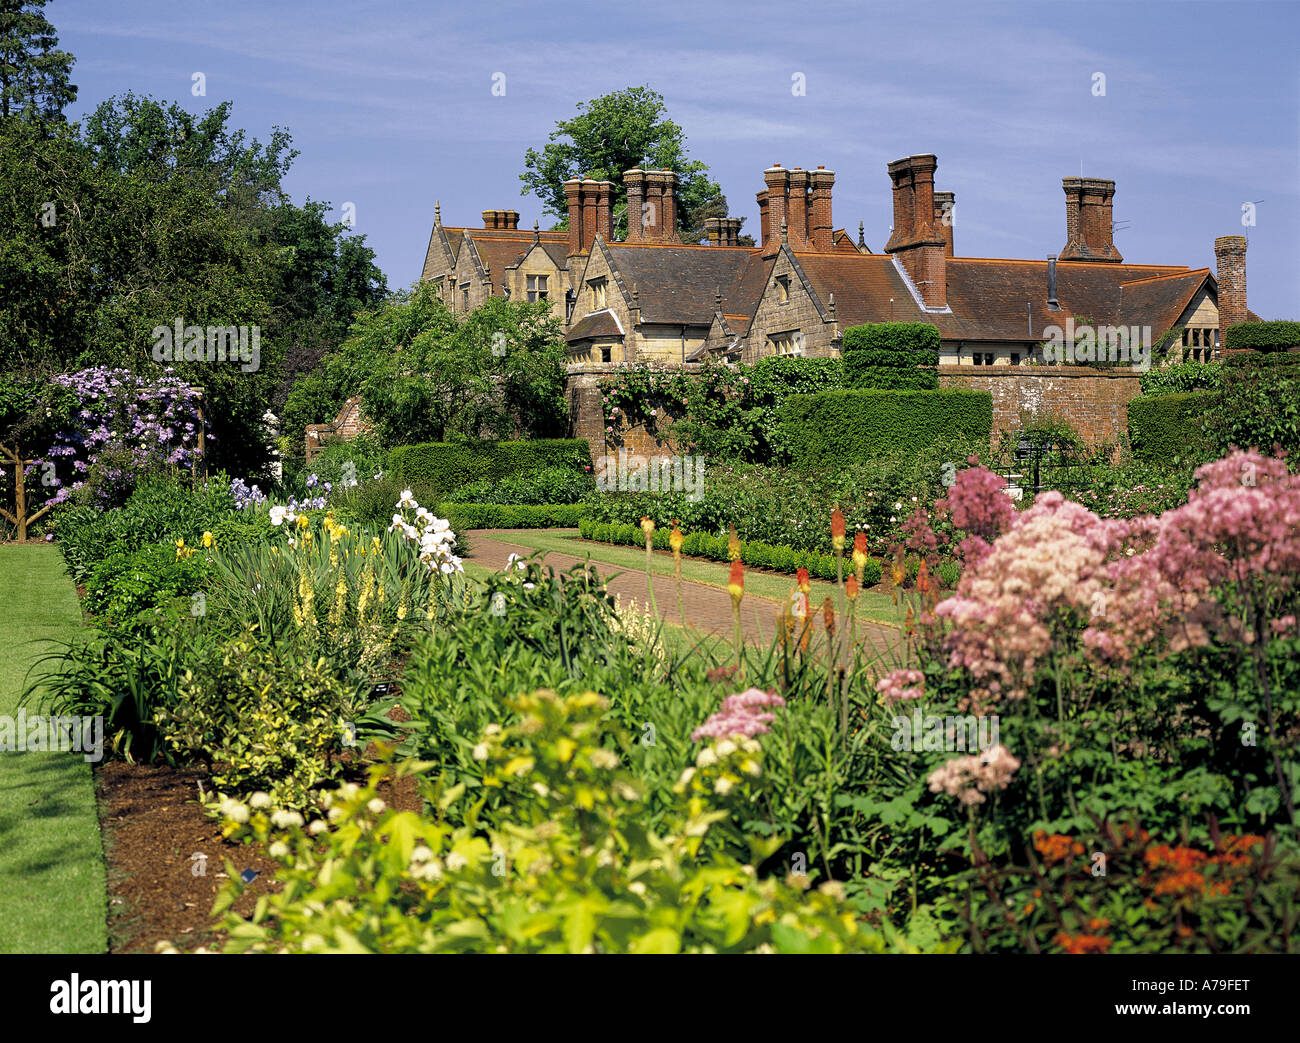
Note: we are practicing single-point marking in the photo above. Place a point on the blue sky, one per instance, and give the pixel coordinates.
(391, 106)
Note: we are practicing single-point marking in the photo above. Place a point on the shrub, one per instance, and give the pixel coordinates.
(371, 502)
(1182, 376)
(891, 356)
(1262, 336)
(262, 719)
(835, 428)
(1259, 404)
(125, 584)
(573, 869)
(447, 466)
(510, 516)
(550, 485)
(1162, 428)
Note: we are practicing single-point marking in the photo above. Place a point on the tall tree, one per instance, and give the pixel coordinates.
(34, 73)
(611, 134)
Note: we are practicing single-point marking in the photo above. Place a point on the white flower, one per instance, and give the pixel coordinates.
(603, 758)
(337, 814)
(706, 757)
(284, 819)
(280, 515)
(259, 800)
(318, 827)
(376, 806)
(278, 850)
(723, 786)
(637, 887)
(492, 729)
(421, 854)
(292, 542)
(234, 810)
(481, 752)
(685, 779)
(541, 789)
(726, 748)
(456, 861)
(407, 500)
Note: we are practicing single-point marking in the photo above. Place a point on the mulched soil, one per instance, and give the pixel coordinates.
(153, 825)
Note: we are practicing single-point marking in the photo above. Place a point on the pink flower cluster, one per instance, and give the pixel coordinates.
(980, 506)
(1061, 576)
(970, 779)
(741, 714)
(899, 685)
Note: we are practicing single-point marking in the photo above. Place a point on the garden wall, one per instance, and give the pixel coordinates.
(1094, 401)
(587, 419)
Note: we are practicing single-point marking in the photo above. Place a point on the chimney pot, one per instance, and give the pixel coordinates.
(1230, 275)
(919, 245)
(1052, 303)
(1089, 220)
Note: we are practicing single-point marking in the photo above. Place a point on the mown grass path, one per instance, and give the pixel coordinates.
(52, 885)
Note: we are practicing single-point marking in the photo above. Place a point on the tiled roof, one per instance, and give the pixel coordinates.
(991, 299)
(602, 323)
(1158, 302)
(679, 284)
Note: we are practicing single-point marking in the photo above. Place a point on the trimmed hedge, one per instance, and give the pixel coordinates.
(835, 428)
(448, 465)
(891, 355)
(1259, 402)
(1161, 427)
(513, 516)
(755, 554)
(1262, 336)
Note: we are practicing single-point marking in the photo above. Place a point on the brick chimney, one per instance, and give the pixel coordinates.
(731, 231)
(777, 179)
(1088, 220)
(796, 208)
(1230, 261)
(713, 226)
(509, 219)
(819, 205)
(490, 219)
(651, 205)
(763, 229)
(589, 212)
(918, 243)
(944, 202)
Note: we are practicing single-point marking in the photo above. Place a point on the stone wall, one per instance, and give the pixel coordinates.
(587, 419)
(1094, 401)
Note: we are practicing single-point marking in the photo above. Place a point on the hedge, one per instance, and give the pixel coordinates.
(835, 428)
(891, 355)
(1262, 336)
(1161, 427)
(447, 465)
(1259, 403)
(754, 553)
(512, 516)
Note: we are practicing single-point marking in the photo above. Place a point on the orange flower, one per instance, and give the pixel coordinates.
(801, 578)
(828, 616)
(1098, 924)
(733, 544)
(1083, 944)
(851, 588)
(648, 527)
(859, 553)
(1053, 847)
(676, 539)
(736, 587)
(837, 530)
(898, 570)
(923, 584)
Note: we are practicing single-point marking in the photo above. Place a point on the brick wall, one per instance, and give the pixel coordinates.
(587, 418)
(1094, 401)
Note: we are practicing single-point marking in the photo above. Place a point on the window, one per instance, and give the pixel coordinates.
(598, 293)
(982, 358)
(783, 288)
(1015, 358)
(988, 358)
(605, 354)
(464, 297)
(787, 343)
(537, 288)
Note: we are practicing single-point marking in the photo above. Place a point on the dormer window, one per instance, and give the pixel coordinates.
(537, 290)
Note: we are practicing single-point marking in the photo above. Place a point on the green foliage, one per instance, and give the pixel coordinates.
(614, 133)
(1259, 403)
(1262, 336)
(572, 869)
(262, 718)
(512, 516)
(450, 466)
(891, 356)
(550, 485)
(1166, 427)
(371, 502)
(1182, 376)
(123, 585)
(158, 512)
(834, 428)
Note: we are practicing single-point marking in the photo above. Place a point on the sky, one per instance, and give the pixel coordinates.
(391, 105)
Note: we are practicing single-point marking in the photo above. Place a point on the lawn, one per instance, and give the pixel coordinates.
(51, 860)
(874, 605)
